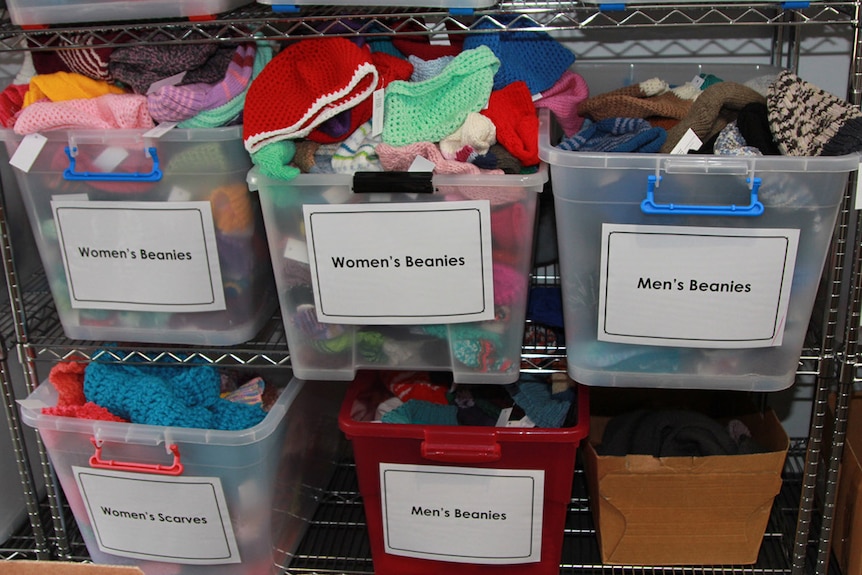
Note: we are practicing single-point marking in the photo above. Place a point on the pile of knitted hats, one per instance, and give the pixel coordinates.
(769, 115)
(468, 105)
(132, 86)
(177, 395)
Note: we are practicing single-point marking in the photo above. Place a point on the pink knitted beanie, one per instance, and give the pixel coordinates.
(562, 100)
(108, 112)
(304, 85)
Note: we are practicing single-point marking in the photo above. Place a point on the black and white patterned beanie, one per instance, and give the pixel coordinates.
(808, 121)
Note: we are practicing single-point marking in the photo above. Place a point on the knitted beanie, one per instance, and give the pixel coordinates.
(303, 157)
(108, 112)
(805, 119)
(730, 142)
(616, 135)
(477, 132)
(88, 58)
(232, 208)
(200, 158)
(421, 46)
(357, 153)
(649, 99)
(274, 159)
(431, 110)
(562, 100)
(11, 100)
(304, 85)
(400, 159)
(231, 112)
(427, 69)
(140, 65)
(713, 109)
(532, 57)
(63, 86)
(514, 114)
(753, 124)
(389, 68)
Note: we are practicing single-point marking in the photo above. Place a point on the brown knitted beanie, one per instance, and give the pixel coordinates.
(649, 100)
(716, 106)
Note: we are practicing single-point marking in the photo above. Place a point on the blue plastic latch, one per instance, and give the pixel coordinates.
(461, 11)
(649, 205)
(795, 5)
(612, 7)
(285, 8)
(152, 176)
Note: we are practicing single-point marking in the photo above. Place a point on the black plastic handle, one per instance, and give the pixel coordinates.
(392, 183)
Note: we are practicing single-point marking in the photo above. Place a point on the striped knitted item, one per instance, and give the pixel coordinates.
(357, 153)
(616, 135)
(431, 110)
(808, 121)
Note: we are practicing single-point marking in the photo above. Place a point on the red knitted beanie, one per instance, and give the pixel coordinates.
(514, 114)
(388, 68)
(303, 86)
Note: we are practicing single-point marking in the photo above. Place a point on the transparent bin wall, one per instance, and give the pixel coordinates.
(198, 165)
(38, 12)
(272, 474)
(453, 4)
(591, 189)
(339, 350)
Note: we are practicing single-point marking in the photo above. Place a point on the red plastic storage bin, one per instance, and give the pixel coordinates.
(475, 475)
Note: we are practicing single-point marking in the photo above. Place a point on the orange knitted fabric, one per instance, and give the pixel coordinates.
(62, 86)
(231, 208)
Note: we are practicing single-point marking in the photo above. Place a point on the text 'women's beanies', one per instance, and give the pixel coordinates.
(304, 85)
(532, 57)
(431, 110)
(562, 100)
(712, 111)
(808, 121)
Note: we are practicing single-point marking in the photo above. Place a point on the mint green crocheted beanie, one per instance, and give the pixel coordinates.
(430, 110)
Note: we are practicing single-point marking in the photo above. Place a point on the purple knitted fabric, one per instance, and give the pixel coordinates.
(141, 65)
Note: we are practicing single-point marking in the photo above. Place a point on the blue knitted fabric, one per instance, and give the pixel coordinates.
(616, 135)
(422, 412)
(427, 69)
(541, 406)
(173, 396)
(533, 57)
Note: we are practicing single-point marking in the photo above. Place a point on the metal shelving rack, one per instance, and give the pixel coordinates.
(798, 538)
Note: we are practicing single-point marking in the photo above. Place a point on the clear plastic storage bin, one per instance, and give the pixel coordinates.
(237, 502)
(484, 351)
(153, 239)
(666, 281)
(454, 5)
(41, 12)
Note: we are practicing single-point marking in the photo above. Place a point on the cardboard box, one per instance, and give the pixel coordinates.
(63, 568)
(685, 510)
(847, 526)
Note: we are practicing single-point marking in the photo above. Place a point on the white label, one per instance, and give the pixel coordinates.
(689, 141)
(295, 249)
(110, 158)
(27, 152)
(171, 519)
(142, 256)
(697, 81)
(858, 204)
(377, 114)
(160, 130)
(169, 81)
(422, 164)
(695, 287)
(462, 514)
(396, 264)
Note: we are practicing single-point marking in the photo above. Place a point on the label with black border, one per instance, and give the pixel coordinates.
(401, 263)
(140, 256)
(695, 287)
(158, 518)
(462, 514)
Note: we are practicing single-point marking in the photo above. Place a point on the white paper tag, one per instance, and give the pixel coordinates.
(28, 150)
(688, 141)
(462, 514)
(160, 130)
(503, 418)
(422, 164)
(377, 114)
(295, 249)
(109, 158)
(169, 81)
(397, 263)
(537, 96)
(695, 287)
(171, 519)
(178, 194)
(697, 81)
(142, 256)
